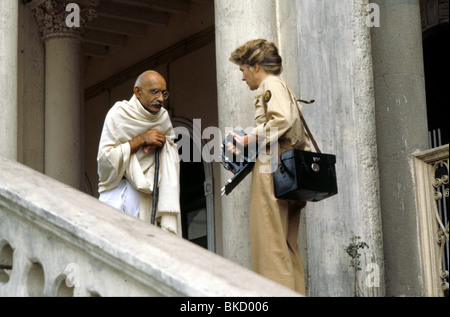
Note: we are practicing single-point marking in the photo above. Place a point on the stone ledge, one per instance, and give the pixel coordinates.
(53, 225)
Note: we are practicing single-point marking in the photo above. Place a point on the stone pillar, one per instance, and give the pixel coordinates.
(401, 130)
(63, 100)
(8, 77)
(63, 89)
(236, 23)
(335, 68)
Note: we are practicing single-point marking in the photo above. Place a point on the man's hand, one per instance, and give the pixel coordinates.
(150, 140)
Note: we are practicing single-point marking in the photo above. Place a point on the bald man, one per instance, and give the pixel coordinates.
(132, 131)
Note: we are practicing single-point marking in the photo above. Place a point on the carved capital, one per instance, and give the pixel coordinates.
(65, 18)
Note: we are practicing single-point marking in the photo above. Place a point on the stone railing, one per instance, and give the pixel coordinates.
(57, 241)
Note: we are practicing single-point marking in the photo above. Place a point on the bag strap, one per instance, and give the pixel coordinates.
(305, 125)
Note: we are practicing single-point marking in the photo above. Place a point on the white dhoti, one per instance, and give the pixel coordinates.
(128, 199)
(123, 197)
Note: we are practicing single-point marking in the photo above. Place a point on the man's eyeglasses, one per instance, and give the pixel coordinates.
(157, 93)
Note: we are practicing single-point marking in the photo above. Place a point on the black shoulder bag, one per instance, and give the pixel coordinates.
(303, 175)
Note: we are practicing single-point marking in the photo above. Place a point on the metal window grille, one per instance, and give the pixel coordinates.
(442, 201)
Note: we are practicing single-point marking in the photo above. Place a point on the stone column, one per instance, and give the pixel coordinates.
(8, 77)
(237, 22)
(401, 130)
(63, 90)
(335, 68)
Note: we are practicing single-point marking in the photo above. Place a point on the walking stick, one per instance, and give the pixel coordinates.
(155, 187)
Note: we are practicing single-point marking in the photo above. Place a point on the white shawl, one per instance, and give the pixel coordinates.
(124, 121)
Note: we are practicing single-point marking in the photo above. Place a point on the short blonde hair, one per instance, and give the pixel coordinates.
(259, 52)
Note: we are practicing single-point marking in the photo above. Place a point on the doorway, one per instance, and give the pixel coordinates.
(436, 63)
(196, 190)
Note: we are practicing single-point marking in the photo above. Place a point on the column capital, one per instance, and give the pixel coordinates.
(65, 18)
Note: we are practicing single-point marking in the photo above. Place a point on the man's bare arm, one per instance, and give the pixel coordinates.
(150, 140)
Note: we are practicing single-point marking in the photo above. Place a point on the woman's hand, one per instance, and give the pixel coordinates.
(241, 142)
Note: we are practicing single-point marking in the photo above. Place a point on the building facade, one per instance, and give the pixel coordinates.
(376, 70)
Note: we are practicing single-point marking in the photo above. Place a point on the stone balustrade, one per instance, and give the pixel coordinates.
(57, 241)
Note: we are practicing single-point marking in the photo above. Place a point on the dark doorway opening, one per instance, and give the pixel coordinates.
(192, 197)
(436, 62)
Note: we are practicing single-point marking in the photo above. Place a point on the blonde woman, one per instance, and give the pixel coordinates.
(274, 223)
